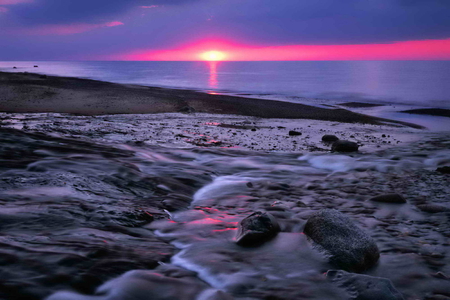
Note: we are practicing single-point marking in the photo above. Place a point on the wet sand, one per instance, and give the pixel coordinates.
(27, 92)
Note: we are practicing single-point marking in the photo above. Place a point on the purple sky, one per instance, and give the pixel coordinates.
(89, 29)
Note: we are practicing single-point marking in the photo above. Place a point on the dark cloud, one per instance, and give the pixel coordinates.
(72, 11)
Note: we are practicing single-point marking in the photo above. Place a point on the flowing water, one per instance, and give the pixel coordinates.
(75, 214)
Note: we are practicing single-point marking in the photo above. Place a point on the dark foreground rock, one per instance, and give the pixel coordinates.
(349, 247)
(256, 229)
(344, 146)
(444, 170)
(364, 287)
(329, 138)
(389, 198)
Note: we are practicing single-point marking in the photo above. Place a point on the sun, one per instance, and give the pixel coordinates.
(213, 56)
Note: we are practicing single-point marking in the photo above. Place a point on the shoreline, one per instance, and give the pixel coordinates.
(36, 93)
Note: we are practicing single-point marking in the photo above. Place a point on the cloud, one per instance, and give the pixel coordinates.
(66, 29)
(13, 2)
(79, 11)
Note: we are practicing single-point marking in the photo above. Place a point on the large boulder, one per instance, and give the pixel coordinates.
(389, 198)
(344, 146)
(256, 229)
(364, 287)
(349, 247)
(328, 138)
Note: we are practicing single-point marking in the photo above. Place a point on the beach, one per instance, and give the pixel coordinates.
(115, 190)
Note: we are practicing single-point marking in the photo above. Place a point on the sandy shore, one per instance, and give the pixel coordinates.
(34, 93)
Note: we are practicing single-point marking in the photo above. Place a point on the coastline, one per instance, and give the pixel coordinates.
(36, 93)
(124, 192)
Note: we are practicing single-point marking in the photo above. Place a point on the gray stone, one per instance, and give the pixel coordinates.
(349, 247)
(293, 133)
(344, 146)
(256, 229)
(329, 138)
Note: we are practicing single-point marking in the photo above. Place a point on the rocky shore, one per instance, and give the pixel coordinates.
(207, 206)
(89, 220)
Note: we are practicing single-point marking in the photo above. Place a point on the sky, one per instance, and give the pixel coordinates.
(236, 29)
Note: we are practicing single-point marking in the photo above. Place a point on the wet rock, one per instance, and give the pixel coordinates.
(433, 208)
(175, 202)
(389, 198)
(349, 247)
(36, 66)
(344, 146)
(294, 133)
(329, 138)
(444, 170)
(256, 229)
(364, 287)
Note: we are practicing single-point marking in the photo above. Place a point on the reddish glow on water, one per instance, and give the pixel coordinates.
(213, 74)
(405, 50)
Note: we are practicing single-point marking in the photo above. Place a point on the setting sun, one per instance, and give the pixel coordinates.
(213, 56)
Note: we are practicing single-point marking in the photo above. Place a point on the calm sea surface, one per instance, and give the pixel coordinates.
(418, 83)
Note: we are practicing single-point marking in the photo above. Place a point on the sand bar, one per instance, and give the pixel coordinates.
(34, 93)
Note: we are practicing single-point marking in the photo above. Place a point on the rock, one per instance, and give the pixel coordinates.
(253, 129)
(433, 208)
(329, 138)
(364, 287)
(444, 170)
(383, 135)
(344, 146)
(36, 66)
(440, 275)
(256, 229)
(14, 67)
(187, 109)
(294, 133)
(389, 198)
(349, 247)
(133, 218)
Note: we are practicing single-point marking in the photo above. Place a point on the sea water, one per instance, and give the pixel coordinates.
(411, 83)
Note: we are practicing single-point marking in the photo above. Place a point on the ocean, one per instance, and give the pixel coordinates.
(412, 83)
